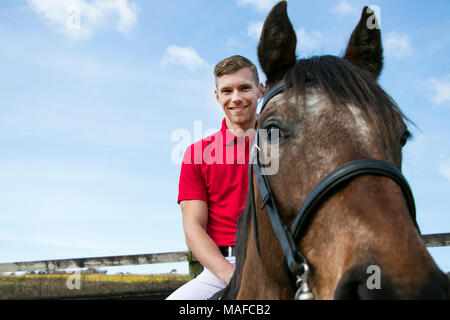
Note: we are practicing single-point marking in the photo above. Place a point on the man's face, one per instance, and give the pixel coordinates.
(238, 94)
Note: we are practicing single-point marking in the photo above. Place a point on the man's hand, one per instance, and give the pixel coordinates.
(227, 277)
(195, 218)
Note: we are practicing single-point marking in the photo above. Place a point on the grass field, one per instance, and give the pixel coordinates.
(62, 286)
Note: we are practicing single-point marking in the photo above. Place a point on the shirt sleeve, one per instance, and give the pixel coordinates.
(192, 184)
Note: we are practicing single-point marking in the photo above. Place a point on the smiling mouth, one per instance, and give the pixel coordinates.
(238, 109)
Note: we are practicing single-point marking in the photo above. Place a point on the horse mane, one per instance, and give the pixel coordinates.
(344, 84)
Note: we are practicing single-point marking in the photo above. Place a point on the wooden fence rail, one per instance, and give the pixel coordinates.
(107, 261)
(437, 240)
(431, 240)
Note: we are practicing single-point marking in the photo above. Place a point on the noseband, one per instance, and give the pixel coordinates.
(295, 264)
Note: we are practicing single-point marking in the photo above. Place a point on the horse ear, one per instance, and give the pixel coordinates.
(364, 48)
(276, 48)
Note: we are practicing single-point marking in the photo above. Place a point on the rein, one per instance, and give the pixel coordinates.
(295, 264)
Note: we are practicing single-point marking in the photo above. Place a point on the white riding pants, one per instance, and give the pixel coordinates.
(204, 286)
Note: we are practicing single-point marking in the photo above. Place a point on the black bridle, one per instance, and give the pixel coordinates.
(296, 265)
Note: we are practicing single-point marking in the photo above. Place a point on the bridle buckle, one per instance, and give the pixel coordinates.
(303, 291)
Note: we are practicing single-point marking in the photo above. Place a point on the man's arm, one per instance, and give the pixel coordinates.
(195, 218)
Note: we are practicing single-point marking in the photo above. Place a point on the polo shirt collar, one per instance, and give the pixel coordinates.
(228, 137)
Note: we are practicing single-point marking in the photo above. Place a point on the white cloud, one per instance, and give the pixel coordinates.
(254, 29)
(309, 42)
(344, 8)
(397, 46)
(80, 19)
(444, 169)
(440, 90)
(260, 5)
(184, 56)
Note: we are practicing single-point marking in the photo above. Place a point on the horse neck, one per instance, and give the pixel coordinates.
(256, 283)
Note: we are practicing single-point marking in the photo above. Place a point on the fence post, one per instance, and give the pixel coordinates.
(195, 267)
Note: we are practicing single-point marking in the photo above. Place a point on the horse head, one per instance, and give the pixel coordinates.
(362, 241)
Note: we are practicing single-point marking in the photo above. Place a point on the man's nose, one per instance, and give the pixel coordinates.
(236, 96)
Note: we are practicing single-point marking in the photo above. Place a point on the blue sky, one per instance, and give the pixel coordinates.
(92, 93)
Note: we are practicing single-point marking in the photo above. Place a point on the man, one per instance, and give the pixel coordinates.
(214, 179)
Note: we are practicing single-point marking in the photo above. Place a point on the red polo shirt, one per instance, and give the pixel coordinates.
(215, 170)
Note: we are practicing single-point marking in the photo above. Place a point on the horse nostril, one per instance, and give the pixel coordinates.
(448, 286)
(347, 290)
(356, 284)
(436, 286)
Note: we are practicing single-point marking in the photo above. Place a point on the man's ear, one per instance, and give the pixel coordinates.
(276, 48)
(260, 90)
(364, 48)
(217, 94)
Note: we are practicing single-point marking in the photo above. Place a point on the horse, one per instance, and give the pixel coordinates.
(337, 219)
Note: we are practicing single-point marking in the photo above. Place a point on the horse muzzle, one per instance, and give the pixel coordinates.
(359, 283)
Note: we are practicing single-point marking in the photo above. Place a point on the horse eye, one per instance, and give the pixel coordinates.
(274, 134)
(405, 137)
